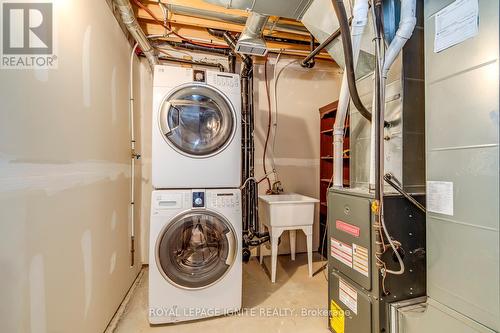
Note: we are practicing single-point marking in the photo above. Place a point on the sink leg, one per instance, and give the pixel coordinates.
(308, 232)
(275, 235)
(261, 252)
(293, 237)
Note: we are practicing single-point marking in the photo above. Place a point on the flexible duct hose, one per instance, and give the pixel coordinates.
(339, 7)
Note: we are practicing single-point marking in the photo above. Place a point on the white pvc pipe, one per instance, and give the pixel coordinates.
(360, 18)
(405, 30)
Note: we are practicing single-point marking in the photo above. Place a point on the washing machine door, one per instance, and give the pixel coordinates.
(197, 120)
(196, 249)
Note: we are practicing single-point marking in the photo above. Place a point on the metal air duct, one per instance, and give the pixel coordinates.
(251, 41)
(128, 18)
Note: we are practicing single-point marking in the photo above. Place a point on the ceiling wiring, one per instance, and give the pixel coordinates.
(169, 29)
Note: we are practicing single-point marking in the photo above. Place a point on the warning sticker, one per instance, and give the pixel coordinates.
(348, 296)
(341, 251)
(337, 318)
(360, 259)
(348, 228)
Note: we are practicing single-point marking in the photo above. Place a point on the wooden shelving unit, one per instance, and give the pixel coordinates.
(327, 119)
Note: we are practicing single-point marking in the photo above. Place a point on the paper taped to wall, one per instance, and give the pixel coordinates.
(440, 197)
(455, 23)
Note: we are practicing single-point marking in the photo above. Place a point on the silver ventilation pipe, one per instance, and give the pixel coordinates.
(128, 18)
(233, 18)
(251, 40)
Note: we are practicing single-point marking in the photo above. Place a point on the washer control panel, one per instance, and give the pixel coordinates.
(225, 200)
(198, 199)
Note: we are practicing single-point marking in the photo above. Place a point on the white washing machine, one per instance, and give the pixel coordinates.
(196, 128)
(195, 265)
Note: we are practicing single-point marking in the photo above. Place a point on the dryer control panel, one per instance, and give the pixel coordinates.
(224, 80)
(225, 200)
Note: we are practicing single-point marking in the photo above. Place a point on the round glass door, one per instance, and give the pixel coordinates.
(196, 250)
(197, 120)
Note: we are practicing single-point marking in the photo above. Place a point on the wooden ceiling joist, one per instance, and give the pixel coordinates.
(195, 27)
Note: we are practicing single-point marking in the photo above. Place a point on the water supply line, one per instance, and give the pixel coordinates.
(359, 21)
(133, 155)
(130, 21)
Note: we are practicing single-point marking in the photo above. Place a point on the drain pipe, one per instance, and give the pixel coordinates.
(405, 30)
(231, 62)
(231, 42)
(128, 18)
(251, 233)
(360, 19)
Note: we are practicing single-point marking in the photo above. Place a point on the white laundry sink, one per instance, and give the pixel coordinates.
(286, 210)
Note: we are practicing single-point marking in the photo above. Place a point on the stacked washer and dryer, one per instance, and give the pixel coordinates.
(195, 265)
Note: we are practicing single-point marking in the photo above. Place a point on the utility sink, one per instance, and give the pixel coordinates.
(286, 210)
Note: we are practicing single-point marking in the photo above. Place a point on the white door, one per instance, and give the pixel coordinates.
(196, 249)
(197, 120)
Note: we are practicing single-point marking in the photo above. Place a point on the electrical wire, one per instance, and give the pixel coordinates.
(275, 123)
(257, 181)
(276, 76)
(269, 120)
(139, 4)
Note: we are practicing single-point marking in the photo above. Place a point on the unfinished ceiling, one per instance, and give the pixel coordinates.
(189, 20)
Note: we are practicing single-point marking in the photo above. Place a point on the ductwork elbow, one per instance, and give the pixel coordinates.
(128, 18)
(251, 40)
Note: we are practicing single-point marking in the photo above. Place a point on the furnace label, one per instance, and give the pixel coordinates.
(348, 228)
(341, 251)
(348, 296)
(360, 259)
(456, 23)
(440, 197)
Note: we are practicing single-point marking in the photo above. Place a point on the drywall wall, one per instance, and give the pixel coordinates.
(301, 92)
(64, 179)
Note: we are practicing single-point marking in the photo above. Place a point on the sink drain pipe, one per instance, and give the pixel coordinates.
(251, 233)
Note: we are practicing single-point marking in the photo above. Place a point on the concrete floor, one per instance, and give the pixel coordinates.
(301, 300)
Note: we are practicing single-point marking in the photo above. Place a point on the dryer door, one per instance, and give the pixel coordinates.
(196, 249)
(197, 120)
